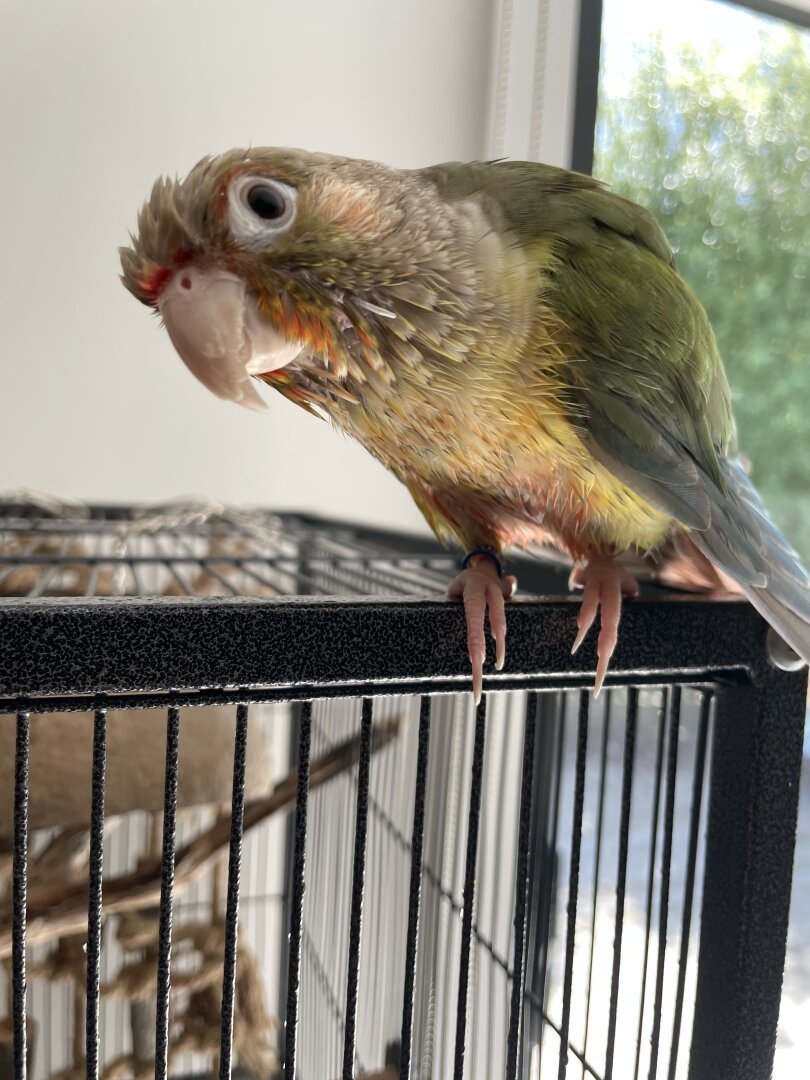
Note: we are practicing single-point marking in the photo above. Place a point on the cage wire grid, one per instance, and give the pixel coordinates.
(514, 890)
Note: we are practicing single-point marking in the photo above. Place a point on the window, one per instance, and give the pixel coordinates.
(704, 117)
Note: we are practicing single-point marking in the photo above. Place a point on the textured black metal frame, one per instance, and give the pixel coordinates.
(746, 892)
(70, 654)
(93, 655)
(291, 647)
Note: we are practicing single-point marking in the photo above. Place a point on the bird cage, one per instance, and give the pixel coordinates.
(252, 822)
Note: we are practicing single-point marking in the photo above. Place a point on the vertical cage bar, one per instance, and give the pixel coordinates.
(299, 880)
(19, 896)
(166, 895)
(95, 874)
(621, 874)
(666, 863)
(656, 809)
(232, 903)
(597, 861)
(476, 787)
(754, 798)
(420, 798)
(573, 879)
(285, 908)
(689, 883)
(521, 891)
(549, 754)
(358, 888)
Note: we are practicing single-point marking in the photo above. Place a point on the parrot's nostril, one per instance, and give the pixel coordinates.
(185, 282)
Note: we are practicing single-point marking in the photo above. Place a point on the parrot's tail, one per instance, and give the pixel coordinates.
(743, 543)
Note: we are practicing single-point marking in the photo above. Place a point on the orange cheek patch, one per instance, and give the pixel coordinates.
(297, 325)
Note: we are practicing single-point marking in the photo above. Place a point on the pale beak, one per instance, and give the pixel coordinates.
(220, 334)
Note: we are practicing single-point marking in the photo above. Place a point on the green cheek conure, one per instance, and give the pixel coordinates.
(511, 340)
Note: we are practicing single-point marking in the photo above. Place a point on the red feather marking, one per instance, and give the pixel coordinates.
(153, 281)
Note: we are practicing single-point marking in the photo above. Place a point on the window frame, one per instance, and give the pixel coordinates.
(589, 49)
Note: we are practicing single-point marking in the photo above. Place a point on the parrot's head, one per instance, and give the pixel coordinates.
(325, 268)
(261, 258)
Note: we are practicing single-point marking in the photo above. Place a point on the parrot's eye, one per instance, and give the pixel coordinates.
(265, 201)
(260, 209)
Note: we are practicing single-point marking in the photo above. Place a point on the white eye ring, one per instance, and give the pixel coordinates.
(248, 225)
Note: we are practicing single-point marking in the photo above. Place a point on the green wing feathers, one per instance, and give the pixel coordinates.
(656, 412)
(648, 392)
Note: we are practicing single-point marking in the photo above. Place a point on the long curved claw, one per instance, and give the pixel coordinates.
(604, 582)
(482, 593)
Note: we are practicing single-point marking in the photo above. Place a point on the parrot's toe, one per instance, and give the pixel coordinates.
(604, 582)
(483, 591)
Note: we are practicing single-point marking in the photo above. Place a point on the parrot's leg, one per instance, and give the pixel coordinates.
(482, 591)
(605, 582)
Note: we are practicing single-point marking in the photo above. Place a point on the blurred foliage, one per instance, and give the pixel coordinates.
(724, 164)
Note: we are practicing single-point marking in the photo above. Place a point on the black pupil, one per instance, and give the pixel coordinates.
(266, 202)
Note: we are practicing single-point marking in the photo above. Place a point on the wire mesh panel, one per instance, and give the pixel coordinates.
(246, 832)
(202, 549)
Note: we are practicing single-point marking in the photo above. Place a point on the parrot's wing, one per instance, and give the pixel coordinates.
(644, 373)
(533, 200)
(642, 455)
(728, 522)
(646, 388)
(651, 401)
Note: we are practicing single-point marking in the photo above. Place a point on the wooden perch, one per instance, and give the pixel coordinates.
(64, 911)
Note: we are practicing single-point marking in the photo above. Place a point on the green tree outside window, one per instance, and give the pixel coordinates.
(722, 158)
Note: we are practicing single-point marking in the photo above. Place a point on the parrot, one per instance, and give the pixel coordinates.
(511, 339)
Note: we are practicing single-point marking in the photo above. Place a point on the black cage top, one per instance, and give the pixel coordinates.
(212, 597)
(461, 856)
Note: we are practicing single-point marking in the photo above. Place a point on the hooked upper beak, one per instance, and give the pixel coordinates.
(220, 334)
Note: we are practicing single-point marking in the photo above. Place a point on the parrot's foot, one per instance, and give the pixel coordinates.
(483, 591)
(605, 582)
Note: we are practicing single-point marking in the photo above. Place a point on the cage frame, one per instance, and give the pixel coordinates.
(72, 654)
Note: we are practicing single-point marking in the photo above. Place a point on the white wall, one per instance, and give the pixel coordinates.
(97, 99)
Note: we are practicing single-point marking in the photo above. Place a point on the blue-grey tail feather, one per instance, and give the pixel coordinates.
(744, 542)
(791, 627)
